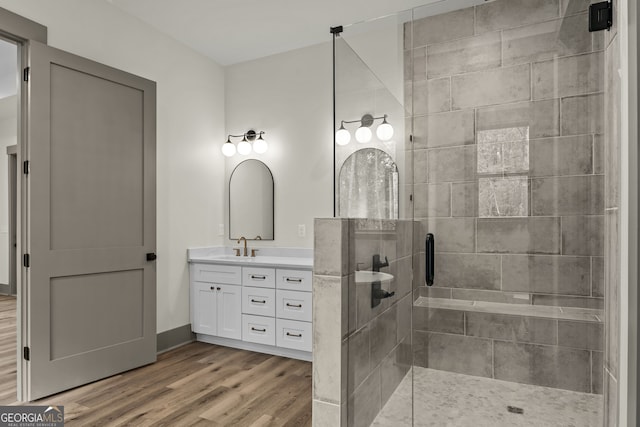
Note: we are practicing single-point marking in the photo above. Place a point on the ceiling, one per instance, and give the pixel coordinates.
(232, 31)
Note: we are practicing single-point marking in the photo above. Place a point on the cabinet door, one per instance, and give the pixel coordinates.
(205, 319)
(230, 311)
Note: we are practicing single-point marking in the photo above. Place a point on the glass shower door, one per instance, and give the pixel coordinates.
(373, 190)
(498, 153)
(508, 143)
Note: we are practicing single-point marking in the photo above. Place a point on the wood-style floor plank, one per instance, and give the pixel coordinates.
(197, 384)
(8, 344)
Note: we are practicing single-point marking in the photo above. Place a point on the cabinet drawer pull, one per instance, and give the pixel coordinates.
(213, 288)
(258, 301)
(294, 280)
(258, 329)
(294, 305)
(256, 277)
(289, 334)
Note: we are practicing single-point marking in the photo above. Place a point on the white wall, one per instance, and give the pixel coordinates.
(289, 96)
(190, 126)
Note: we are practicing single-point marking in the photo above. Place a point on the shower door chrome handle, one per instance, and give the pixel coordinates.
(429, 268)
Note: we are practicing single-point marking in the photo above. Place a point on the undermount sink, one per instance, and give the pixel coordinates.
(372, 276)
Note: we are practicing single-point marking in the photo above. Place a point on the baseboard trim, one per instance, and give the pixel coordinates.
(260, 348)
(173, 338)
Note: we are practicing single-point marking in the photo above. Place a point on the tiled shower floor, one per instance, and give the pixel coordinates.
(456, 400)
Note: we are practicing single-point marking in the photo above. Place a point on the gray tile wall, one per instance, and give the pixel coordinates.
(360, 353)
(511, 155)
(543, 351)
(330, 321)
(509, 148)
(379, 338)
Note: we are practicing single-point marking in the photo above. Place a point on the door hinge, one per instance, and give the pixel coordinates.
(600, 16)
(25, 167)
(410, 138)
(25, 74)
(26, 352)
(26, 261)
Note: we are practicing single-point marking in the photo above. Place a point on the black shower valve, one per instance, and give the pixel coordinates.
(376, 265)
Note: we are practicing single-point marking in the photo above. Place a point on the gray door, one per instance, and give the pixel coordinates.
(91, 293)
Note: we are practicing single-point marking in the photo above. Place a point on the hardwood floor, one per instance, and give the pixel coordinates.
(7, 350)
(195, 385)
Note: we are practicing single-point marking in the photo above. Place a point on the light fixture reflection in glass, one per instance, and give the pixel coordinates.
(342, 136)
(363, 134)
(260, 145)
(228, 149)
(384, 131)
(244, 147)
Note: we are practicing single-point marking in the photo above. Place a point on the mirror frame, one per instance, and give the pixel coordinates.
(273, 196)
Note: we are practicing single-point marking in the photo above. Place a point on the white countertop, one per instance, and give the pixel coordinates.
(300, 258)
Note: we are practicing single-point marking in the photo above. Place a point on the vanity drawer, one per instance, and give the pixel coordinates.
(293, 334)
(258, 329)
(259, 301)
(294, 305)
(294, 280)
(259, 277)
(214, 273)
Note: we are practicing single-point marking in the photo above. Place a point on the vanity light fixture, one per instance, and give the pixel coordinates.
(245, 145)
(228, 149)
(342, 135)
(363, 134)
(260, 145)
(385, 130)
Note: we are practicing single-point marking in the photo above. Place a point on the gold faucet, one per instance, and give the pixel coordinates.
(245, 244)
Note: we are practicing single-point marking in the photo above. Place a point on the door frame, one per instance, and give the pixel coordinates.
(13, 198)
(21, 30)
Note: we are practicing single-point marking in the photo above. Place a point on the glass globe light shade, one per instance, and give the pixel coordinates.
(343, 136)
(228, 149)
(260, 145)
(244, 147)
(363, 134)
(384, 131)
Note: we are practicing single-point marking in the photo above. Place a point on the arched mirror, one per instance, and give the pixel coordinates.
(368, 185)
(251, 201)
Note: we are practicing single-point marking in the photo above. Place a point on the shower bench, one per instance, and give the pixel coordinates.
(559, 347)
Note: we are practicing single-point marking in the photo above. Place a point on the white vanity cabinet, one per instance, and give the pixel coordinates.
(252, 305)
(216, 300)
(276, 307)
(259, 308)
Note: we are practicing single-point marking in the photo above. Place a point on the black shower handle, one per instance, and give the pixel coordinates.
(429, 269)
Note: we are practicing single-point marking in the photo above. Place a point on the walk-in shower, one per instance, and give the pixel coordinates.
(504, 148)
